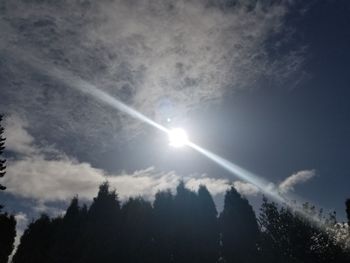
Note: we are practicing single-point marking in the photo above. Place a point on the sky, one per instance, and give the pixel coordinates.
(263, 84)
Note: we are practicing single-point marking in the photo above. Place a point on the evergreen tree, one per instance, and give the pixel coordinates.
(2, 161)
(347, 203)
(239, 229)
(101, 240)
(291, 236)
(186, 225)
(137, 231)
(208, 228)
(164, 221)
(7, 236)
(68, 238)
(7, 222)
(37, 241)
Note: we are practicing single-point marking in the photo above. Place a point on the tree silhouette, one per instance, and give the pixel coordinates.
(101, 240)
(208, 228)
(163, 221)
(7, 236)
(347, 203)
(180, 228)
(7, 222)
(67, 242)
(2, 161)
(137, 231)
(292, 236)
(239, 229)
(37, 241)
(186, 234)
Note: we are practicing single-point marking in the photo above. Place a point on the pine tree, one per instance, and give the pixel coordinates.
(185, 225)
(37, 241)
(101, 241)
(7, 236)
(239, 229)
(347, 203)
(208, 228)
(7, 222)
(164, 221)
(66, 247)
(137, 231)
(2, 161)
(290, 236)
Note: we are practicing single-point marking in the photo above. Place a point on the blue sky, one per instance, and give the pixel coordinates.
(262, 83)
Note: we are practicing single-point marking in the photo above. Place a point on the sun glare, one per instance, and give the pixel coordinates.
(178, 137)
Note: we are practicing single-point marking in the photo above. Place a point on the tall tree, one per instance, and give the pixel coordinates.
(208, 228)
(347, 203)
(292, 236)
(37, 241)
(137, 231)
(67, 242)
(164, 221)
(102, 235)
(7, 222)
(7, 236)
(239, 229)
(2, 161)
(186, 225)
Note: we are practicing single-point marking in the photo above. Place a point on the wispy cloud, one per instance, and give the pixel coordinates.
(285, 187)
(300, 177)
(163, 58)
(58, 178)
(246, 189)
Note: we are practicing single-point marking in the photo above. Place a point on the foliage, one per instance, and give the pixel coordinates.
(2, 161)
(7, 236)
(179, 228)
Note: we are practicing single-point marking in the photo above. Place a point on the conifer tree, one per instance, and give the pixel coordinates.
(239, 229)
(102, 235)
(2, 161)
(347, 203)
(208, 228)
(137, 231)
(290, 236)
(186, 225)
(7, 222)
(66, 247)
(7, 236)
(37, 241)
(164, 221)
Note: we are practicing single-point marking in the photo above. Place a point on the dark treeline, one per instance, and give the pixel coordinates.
(180, 227)
(7, 222)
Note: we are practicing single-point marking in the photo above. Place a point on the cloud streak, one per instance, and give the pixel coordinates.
(298, 178)
(285, 187)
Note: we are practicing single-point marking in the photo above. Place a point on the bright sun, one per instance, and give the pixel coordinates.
(178, 137)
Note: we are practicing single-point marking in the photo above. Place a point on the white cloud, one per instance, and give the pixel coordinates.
(18, 139)
(59, 179)
(246, 189)
(54, 180)
(215, 186)
(286, 186)
(300, 177)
